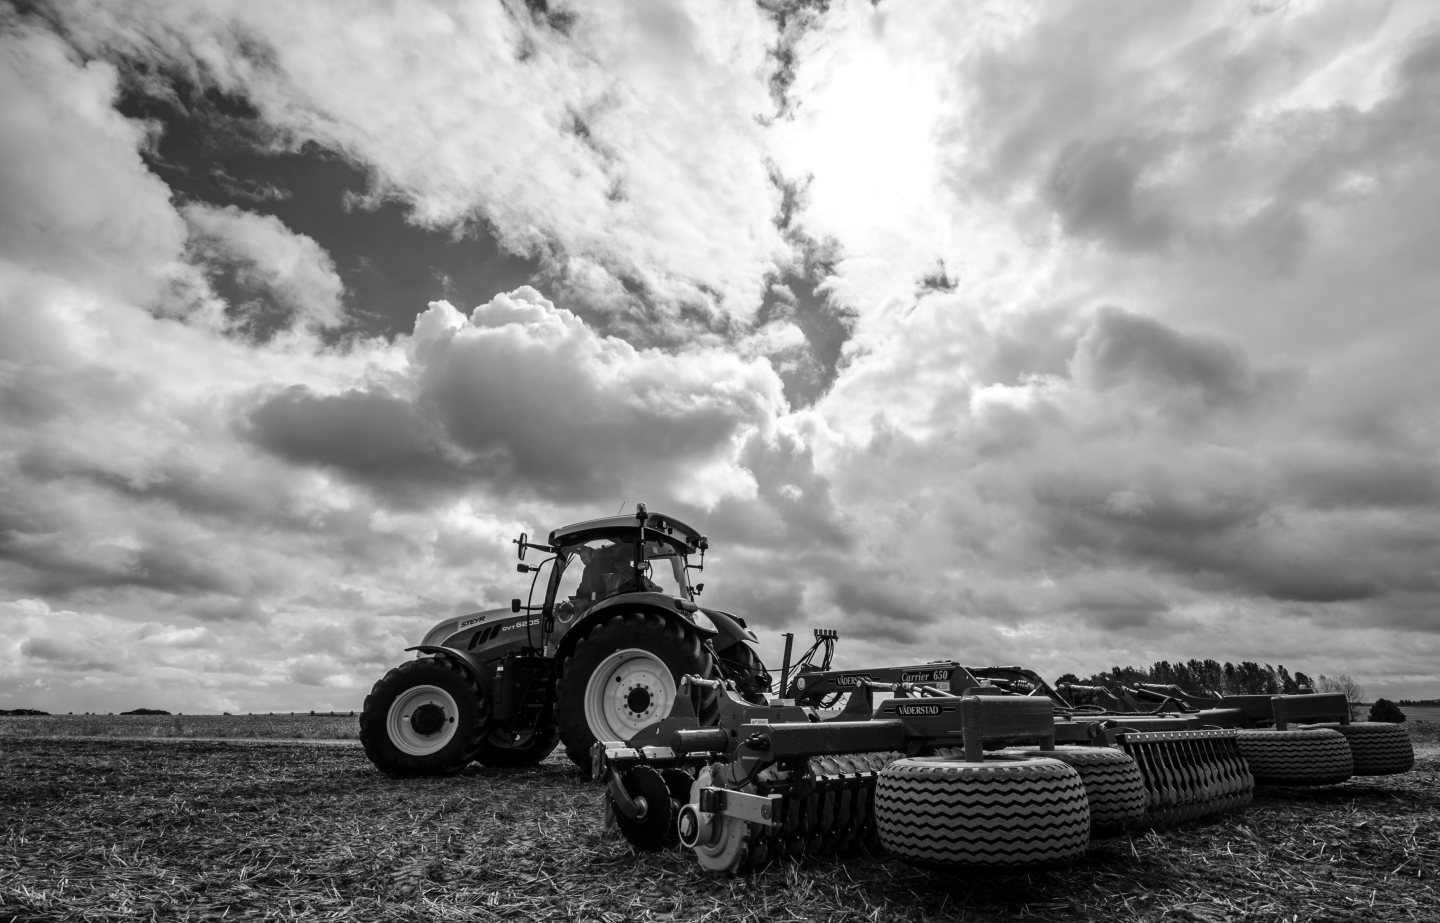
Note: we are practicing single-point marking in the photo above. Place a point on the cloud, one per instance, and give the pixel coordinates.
(523, 396)
(270, 260)
(575, 143)
(76, 197)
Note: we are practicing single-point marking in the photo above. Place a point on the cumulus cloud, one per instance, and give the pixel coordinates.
(523, 396)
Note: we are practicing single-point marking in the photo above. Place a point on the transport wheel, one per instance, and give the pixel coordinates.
(501, 754)
(1114, 787)
(426, 717)
(1377, 749)
(1304, 756)
(653, 828)
(623, 677)
(1008, 812)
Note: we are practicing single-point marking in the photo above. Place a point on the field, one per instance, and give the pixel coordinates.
(269, 727)
(136, 829)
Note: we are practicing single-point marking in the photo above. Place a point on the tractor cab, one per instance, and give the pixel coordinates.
(600, 559)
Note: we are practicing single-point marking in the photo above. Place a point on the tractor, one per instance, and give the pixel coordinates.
(598, 657)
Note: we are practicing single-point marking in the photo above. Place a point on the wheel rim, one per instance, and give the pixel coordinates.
(629, 691)
(414, 713)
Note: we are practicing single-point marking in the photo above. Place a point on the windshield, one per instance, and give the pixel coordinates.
(600, 568)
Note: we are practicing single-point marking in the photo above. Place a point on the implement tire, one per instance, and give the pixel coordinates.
(426, 717)
(1305, 756)
(624, 676)
(1377, 749)
(1005, 813)
(1113, 785)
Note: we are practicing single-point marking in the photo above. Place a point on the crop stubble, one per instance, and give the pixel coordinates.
(204, 830)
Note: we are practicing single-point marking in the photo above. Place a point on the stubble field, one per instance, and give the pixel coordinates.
(127, 829)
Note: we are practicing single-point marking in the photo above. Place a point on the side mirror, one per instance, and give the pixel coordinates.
(524, 537)
(514, 605)
(699, 588)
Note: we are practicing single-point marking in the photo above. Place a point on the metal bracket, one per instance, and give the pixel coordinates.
(757, 809)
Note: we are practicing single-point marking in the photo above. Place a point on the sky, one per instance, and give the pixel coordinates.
(1058, 334)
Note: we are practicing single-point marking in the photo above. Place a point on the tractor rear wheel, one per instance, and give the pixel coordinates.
(623, 677)
(426, 717)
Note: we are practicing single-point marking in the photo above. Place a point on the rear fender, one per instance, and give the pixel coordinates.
(729, 630)
(657, 603)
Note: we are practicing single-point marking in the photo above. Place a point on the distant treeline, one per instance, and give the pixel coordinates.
(1421, 703)
(22, 711)
(1203, 677)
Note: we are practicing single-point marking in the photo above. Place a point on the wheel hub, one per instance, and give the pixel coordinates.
(638, 700)
(422, 720)
(427, 719)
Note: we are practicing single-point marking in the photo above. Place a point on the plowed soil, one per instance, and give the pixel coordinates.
(175, 829)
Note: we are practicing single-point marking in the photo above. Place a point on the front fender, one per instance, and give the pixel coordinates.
(479, 670)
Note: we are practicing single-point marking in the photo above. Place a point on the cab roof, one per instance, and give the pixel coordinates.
(677, 531)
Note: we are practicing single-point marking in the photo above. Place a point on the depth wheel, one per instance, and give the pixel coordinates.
(426, 717)
(623, 677)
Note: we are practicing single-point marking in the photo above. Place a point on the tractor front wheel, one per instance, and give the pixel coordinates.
(426, 717)
(623, 677)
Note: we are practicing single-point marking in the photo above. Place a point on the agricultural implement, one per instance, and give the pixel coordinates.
(956, 768)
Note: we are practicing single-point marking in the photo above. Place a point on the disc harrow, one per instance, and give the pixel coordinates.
(950, 767)
(777, 782)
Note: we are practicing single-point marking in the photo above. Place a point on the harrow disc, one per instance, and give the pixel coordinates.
(650, 831)
(1308, 756)
(1190, 774)
(1377, 749)
(1004, 813)
(1113, 785)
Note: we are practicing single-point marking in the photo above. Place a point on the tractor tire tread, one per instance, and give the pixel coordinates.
(609, 635)
(373, 737)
